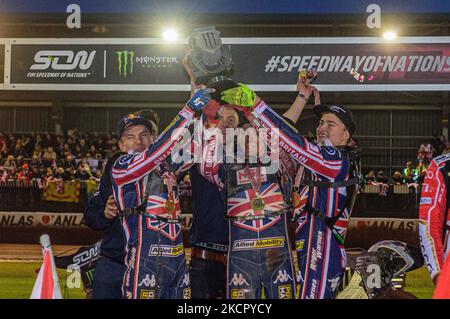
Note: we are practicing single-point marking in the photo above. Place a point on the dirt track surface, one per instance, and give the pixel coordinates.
(27, 253)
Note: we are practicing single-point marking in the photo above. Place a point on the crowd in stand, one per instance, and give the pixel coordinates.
(412, 175)
(48, 156)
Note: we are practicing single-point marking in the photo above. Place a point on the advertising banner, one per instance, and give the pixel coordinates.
(33, 219)
(266, 64)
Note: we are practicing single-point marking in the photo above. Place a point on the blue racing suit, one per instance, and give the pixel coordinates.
(259, 256)
(110, 268)
(321, 211)
(144, 186)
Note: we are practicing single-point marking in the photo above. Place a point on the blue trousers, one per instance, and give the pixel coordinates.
(208, 279)
(108, 278)
(259, 260)
(321, 259)
(156, 264)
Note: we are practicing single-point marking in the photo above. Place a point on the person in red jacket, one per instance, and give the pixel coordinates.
(433, 215)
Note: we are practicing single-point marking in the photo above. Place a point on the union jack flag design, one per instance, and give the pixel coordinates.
(299, 200)
(170, 230)
(342, 223)
(164, 206)
(240, 204)
(257, 225)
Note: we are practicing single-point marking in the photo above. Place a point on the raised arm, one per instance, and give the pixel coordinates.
(326, 161)
(130, 168)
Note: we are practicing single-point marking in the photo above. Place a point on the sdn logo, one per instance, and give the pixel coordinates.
(125, 62)
(65, 60)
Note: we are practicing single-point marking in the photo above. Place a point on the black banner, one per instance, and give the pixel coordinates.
(344, 64)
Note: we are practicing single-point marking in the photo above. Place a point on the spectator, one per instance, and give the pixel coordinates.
(409, 170)
(61, 174)
(35, 174)
(24, 173)
(48, 157)
(397, 178)
(10, 163)
(83, 172)
(370, 177)
(409, 179)
(49, 175)
(381, 178)
(83, 147)
(421, 168)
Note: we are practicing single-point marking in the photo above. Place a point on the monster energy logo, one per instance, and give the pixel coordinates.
(125, 62)
(90, 276)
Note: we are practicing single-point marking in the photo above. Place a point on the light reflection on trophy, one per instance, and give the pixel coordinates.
(210, 60)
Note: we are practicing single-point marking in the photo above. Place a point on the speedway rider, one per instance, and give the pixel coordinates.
(135, 133)
(434, 221)
(145, 187)
(325, 200)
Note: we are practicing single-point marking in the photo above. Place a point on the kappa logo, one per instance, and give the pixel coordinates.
(282, 277)
(300, 277)
(285, 292)
(238, 280)
(334, 283)
(186, 280)
(148, 282)
(62, 60)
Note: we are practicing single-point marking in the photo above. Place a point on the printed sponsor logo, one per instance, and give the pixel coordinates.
(238, 280)
(285, 292)
(316, 253)
(314, 287)
(165, 250)
(299, 245)
(61, 61)
(128, 295)
(63, 220)
(334, 283)
(132, 260)
(148, 281)
(147, 294)
(297, 291)
(237, 293)
(87, 256)
(380, 225)
(425, 200)
(186, 281)
(246, 244)
(127, 60)
(282, 277)
(187, 293)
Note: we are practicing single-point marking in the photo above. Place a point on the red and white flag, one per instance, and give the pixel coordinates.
(47, 282)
